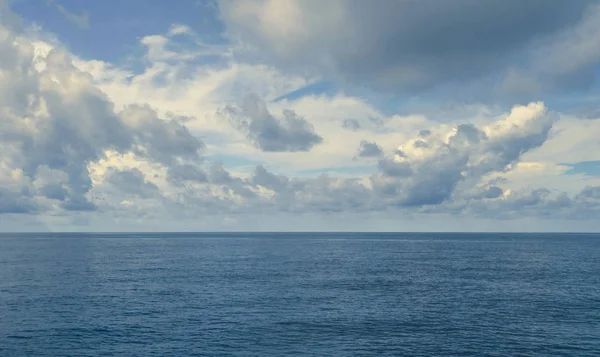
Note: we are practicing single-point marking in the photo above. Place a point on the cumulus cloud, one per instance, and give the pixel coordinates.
(399, 45)
(55, 122)
(427, 169)
(290, 133)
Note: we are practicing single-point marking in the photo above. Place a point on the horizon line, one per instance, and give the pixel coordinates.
(300, 232)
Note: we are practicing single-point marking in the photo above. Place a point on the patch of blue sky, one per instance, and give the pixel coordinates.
(589, 168)
(116, 26)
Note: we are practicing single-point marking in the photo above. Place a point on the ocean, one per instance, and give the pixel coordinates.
(299, 294)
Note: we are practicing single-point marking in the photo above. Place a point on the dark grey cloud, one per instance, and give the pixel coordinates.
(392, 168)
(493, 192)
(164, 141)
(218, 175)
(269, 180)
(369, 149)
(290, 133)
(415, 45)
(179, 174)
(424, 133)
(434, 181)
(568, 62)
(55, 191)
(131, 182)
(420, 144)
(16, 202)
(466, 134)
(78, 203)
(590, 192)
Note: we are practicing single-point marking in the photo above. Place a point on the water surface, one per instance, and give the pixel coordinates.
(300, 294)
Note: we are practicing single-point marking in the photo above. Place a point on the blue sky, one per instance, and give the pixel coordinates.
(115, 27)
(402, 113)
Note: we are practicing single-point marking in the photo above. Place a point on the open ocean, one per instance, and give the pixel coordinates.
(303, 294)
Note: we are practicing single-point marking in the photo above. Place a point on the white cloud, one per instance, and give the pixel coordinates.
(55, 122)
(571, 140)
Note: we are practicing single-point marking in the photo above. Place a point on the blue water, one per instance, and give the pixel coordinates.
(300, 294)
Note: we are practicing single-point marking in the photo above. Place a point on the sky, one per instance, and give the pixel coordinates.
(300, 115)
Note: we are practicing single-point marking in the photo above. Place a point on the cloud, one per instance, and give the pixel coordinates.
(131, 182)
(218, 175)
(590, 193)
(164, 141)
(398, 46)
(16, 202)
(427, 169)
(178, 29)
(262, 177)
(369, 149)
(290, 133)
(186, 172)
(351, 124)
(55, 122)
(88, 141)
(572, 140)
(276, 194)
(80, 20)
(568, 61)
